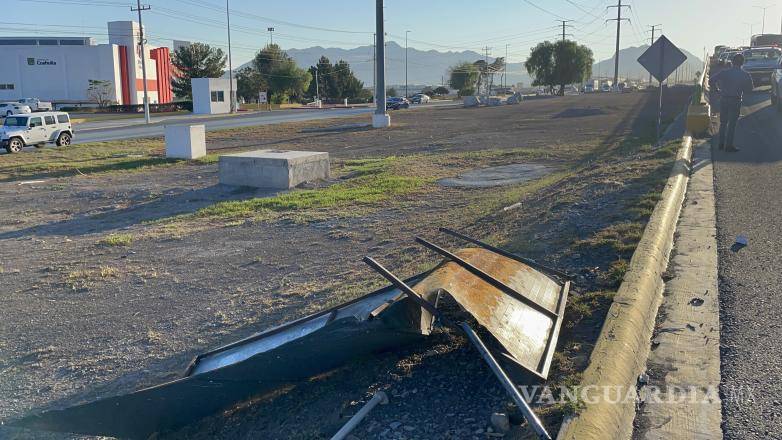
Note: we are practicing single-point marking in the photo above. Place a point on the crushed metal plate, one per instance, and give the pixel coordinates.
(520, 302)
(215, 380)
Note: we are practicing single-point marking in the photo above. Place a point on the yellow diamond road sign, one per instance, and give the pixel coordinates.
(662, 59)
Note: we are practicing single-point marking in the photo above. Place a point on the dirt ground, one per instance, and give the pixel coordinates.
(114, 280)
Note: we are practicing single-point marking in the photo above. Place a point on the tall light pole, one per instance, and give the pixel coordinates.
(230, 65)
(407, 93)
(271, 34)
(380, 119)
(141, 42)
(764, 8)
(751, 29)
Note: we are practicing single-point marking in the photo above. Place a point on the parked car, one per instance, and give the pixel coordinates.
(420, 98)
(13, 108)
(760, 62)
(776, 87)
(589, 88)
(395, 103)
(36, 104)
(19, 131)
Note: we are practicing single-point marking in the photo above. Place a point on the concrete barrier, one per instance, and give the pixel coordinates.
(622, 348)
(273, 169)
(185, 141)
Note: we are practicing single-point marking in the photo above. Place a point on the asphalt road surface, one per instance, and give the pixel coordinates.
(749, 203)
(102, 131)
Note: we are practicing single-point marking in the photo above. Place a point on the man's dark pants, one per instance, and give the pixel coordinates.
(730, 110)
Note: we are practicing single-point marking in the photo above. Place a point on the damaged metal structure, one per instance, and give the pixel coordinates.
(517, 301)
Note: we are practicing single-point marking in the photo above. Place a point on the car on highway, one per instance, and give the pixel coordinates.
(36, 104)
(760, 63)
(19, 131)
(13, 108)
(589, 88)
(420, 98)
(395, 103)
(727, 57)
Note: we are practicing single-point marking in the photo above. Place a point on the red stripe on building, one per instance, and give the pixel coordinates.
(151, 86)
(124, 77)
(162, 58)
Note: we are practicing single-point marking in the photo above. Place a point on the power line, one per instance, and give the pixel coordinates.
(619, 21)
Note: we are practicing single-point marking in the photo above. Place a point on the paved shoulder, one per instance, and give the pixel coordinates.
(749, 203)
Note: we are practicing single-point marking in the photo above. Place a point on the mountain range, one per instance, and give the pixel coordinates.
(431, 67)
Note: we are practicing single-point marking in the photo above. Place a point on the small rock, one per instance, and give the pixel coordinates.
(500, 422)
(395, 425)
(408, 428)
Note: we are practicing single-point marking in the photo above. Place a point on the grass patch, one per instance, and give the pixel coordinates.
(644, 208)
(616, 273)
(621, 238)
(371, 181)
(580, 307)
(117, 240)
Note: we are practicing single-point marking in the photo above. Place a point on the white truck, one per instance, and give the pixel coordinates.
(36, 104)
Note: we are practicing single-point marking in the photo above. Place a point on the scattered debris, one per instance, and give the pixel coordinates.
(380, 398)
(518, 301)
(500, 422)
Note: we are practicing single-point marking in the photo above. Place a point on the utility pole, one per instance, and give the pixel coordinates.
(380, 119)
(374, 63)
(505, 68)
(763, 8)
(654, 28)
(565, 25)
(407, 93)
(230, 65)
(141, 42)
(486, 50)
(271, 34)
(619, 21)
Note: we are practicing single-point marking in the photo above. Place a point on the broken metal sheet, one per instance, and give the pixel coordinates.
(521, 307)
(262, 363)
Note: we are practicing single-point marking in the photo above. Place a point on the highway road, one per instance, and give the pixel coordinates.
(748, 185)
(110, 130)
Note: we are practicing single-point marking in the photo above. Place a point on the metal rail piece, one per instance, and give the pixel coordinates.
(527, 261)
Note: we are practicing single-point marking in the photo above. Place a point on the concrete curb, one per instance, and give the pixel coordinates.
(619, 357)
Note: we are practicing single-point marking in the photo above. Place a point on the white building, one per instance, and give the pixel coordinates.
(211, 96)
(59, 69)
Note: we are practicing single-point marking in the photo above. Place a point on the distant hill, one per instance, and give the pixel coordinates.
(630, 68)
(431, 67)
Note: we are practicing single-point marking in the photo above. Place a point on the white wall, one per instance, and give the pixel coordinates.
(202, 95)
(57, 73)
(126, 33)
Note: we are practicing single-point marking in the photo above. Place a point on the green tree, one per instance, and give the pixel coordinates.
(391, 92)
(464, 77)
(323, 70)
(428, 91)
(248, 83)
(197, 60)
(279, 72)
(559, 64)
(441, 90)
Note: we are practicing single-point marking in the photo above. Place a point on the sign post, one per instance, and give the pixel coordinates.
(661, 59)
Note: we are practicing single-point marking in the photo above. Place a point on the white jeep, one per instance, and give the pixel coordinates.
(36, 129)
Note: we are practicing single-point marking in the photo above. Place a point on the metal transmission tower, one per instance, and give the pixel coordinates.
(141, 43)
(565, 25)
(619, 21)
(654, 27)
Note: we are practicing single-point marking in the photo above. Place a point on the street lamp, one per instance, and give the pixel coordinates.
(271, 34)
(407, 94)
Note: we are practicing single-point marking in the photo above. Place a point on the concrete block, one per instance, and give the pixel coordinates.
(472, 101)
(185, 141)
(273, 169)
(381, 121)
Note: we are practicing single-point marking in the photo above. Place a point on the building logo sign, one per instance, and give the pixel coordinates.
(40, 62)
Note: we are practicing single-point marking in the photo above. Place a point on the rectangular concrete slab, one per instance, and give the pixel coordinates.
(274, 169)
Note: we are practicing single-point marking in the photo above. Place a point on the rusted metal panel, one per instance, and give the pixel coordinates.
(527, 333)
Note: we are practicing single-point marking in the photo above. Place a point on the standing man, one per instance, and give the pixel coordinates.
(732, 84)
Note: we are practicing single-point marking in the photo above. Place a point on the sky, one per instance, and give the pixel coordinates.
(443, 25)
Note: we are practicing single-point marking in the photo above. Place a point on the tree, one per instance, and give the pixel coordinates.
(559, 64)
(197, 60)
(280, 73)
(464, 77)
(428, 91)
(391, 92)
(487, 71)
(100, 91)
(441, 91)
(248, 83)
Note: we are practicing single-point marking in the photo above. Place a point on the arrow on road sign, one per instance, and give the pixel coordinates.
(662, 59)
